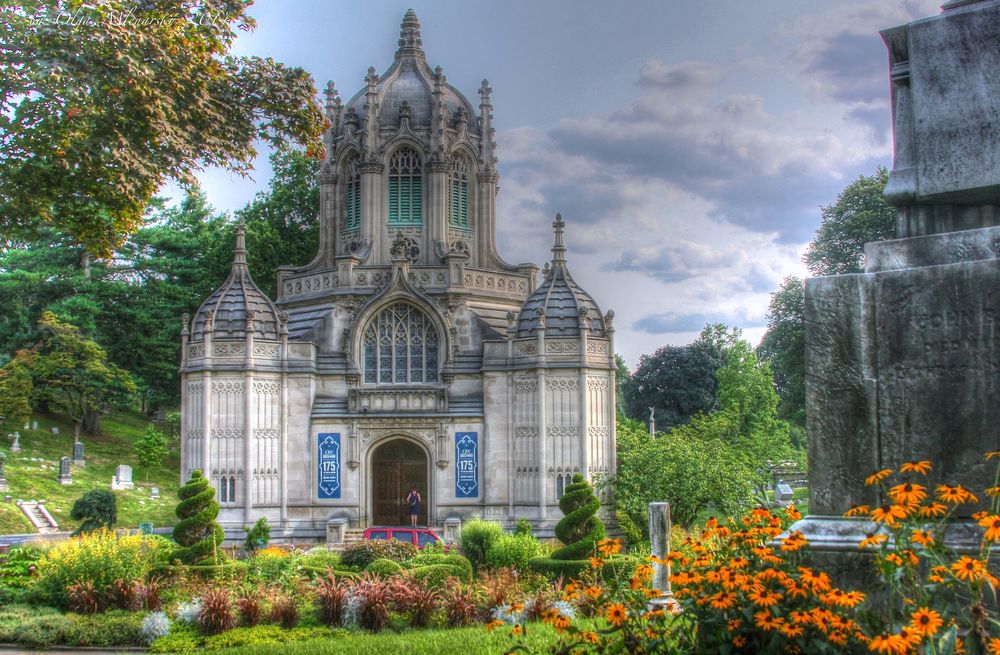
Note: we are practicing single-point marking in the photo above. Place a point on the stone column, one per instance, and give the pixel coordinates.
(543, 471)
(659, 537)
(206, 406)
(283, 413)
(248, 422)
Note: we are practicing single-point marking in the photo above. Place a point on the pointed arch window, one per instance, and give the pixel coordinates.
(405, 188)
(458, 215)
(401, 346)
(352, 196)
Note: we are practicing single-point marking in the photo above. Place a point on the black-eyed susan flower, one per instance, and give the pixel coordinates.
(992, 524)
(968, 568)
(908, 493)
(922, 467)
(616, 614)
(926, 621)
(888, 514)
(877, 477)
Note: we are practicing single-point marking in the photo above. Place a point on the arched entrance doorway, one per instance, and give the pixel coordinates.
(398, 466)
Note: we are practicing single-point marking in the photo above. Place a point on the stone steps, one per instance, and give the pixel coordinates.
(39, 516)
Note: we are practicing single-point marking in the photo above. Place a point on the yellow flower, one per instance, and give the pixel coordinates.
(888, 514)
(616, 614)
(908, 493)
(873, 540)
(596, 562)
(609, 547)
(922, 467)
(877, 477)
(992, 525)
(561, 623)
(765, 597)
(934, 510)
(592, 592)
(888, 644)
(926, 621)
(858, 510)
(589, 637)
(967, 568)
(955, 494)
(767, 621)
(494, 624)
(723, 600)
(994, 453)
(517, 631)
(922, 537)
(995, 646)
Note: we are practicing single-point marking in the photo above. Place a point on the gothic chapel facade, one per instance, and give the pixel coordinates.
(407, 353)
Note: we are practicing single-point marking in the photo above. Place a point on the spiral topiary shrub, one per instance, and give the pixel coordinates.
(197, 532)
(579, 530)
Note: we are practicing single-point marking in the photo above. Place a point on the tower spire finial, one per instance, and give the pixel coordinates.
(410, 45)
(559, 248)
(240, 249)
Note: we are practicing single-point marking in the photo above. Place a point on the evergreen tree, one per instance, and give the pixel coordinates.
(197, 532)
(151, 448)
(579, 529)
(97, 509)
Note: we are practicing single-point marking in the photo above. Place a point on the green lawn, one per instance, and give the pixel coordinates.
(468, 641)
(31, 473)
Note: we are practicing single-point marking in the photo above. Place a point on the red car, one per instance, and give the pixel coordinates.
(419, 537)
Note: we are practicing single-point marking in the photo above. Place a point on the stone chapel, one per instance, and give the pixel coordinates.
(407, 353)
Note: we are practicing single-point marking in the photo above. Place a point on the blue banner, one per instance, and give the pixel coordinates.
(466, 465)
(329, 464)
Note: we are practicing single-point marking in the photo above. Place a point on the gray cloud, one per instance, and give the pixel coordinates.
(851, 67)
(670, 322)
(877, 118)
(682, 76)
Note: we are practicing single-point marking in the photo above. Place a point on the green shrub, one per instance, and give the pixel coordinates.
(384, 568)
(362, 553)
(633, 533)
(458, 561)
(476, 538)
(114, 628)
(321, 559)
(197, 532)
(436, 575)
(257, 536)
(513, 550)
(16, 566)
(97, 508)
(620, 566)
(314, 572)
(266, 567)
(554, 568)
(579, 529)
(523, 527)
(99, 557)
(267, 634)
(44, 631)
(182, 639)
(12, 618)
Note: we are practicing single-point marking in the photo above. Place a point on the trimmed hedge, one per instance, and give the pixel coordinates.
(476, 538)
(553, 568)
(436, 575)
(384, 568)
(431, 559)
(362, 553)
(314, 572)
(44, 627)
(513, 550)
(199, 536)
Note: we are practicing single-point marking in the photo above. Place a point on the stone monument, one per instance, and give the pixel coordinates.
(34, 425)
(16, 446)
(903, 360)
(123, 478)
(3, 479)
(64, 472)
(154, 493)
(659, 541)
(78, 454)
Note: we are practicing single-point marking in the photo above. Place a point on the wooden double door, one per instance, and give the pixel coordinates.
(397, 467)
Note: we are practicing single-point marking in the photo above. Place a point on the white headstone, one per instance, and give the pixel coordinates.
(123, 478)
(34, 425)
(55, 430)
(783, 494)
(154, 493)
(16, 446)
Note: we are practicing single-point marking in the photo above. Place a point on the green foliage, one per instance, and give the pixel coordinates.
(98, 558)
(267, 568)
(257, 536)
(321, 559)
(151, 448)
(68, 158)
(523, 527)
(784, 348)
(462, 564)
(267, 634)
(677, 381)
(556, 568)
(513, 550)
(476, 537)
(197, 532)
(579, 529)
(105, 630)
(860, 215)
(71, 373)
(384, 568)
(97, 509)
(436, 576)
(362, 553)
(16, 566)
(182, 638)
(16, 386)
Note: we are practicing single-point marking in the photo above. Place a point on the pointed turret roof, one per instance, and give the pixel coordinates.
(559, 302)
(225, 312)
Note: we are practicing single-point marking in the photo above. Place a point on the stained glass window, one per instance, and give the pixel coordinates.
(400, 346)
(405, 188)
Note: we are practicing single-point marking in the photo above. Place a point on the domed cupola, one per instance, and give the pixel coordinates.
(408, 89)
(565, 305)
(227, 309)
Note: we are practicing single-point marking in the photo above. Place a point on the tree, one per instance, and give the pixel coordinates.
(283, 224)
(859, 216)
(97, 509)
(72, 373)
(622, 376)
(68, 159)
(677, 381)
(16, 386)
(151, 448)
(197, 532)
(783, 347)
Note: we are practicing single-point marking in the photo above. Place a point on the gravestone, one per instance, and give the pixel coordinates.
(8, 499)
(16, 446)
(123, 478)
(903, 359)
(78, 454)
(659, 541)
(34, 425)
(55, 430)
(3, 479)
(27, 426)
(64, 472)
(782, 495)
(154, 493)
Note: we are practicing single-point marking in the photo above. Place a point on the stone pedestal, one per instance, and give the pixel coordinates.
(336, 529)
(659, 541)
(452, 526)
(903, 360)
(123, 478)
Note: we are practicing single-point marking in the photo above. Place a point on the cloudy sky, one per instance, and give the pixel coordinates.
(688, 145)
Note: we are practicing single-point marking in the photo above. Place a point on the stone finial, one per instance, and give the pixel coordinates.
(333, 103)
(485, 92)
(410, 43)
(609, 321)
(371, 79)
(240, 249)
(558, 248)
(185, 324)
